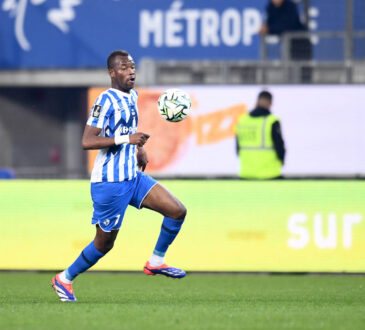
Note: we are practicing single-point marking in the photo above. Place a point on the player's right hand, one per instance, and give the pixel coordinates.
(138, 138)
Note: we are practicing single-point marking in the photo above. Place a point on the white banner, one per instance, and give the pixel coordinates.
(323, 129)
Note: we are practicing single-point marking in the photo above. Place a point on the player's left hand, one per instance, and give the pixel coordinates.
(142, 159)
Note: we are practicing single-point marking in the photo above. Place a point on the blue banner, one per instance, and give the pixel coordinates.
(81, 34)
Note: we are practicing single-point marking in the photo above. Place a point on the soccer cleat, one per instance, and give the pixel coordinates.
(63, 290)
(163, 270)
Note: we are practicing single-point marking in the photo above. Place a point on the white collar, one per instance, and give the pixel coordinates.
(120, 92)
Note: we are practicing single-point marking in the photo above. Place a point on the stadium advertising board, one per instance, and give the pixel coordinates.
(322, 138)
(79, 33)
(231, 226)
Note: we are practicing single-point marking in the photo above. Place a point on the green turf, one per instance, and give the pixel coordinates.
(127, 301)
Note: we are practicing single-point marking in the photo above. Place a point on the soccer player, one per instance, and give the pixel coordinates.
(115, 180)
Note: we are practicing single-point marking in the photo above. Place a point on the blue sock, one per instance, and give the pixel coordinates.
(88, 258)
(169, 230)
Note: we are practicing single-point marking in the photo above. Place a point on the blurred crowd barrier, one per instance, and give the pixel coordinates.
(287, 226)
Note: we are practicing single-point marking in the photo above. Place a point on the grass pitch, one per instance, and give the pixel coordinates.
(130, 301)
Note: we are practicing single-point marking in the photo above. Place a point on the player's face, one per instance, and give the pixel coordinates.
(123, 73)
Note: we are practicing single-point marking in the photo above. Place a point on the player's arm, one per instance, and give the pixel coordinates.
(92, 140)
(237, 146)
(278, 141)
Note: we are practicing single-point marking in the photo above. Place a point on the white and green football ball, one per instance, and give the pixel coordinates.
(174, 105)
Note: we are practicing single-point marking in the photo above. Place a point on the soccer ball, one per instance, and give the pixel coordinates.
(174, 104)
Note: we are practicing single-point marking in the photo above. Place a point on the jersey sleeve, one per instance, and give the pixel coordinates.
(99, 111)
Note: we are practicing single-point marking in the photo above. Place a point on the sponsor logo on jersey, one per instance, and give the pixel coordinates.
(127, 130)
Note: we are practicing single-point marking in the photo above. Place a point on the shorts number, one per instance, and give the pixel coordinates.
(116, 222)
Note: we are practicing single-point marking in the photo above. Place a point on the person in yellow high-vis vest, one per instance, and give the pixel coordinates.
(260, 144)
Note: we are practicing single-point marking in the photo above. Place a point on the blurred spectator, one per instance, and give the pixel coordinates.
(260, 145)
(282, 16)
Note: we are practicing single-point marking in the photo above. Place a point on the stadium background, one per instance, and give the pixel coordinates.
(52, 63)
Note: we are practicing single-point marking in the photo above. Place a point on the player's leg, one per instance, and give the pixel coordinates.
(110, 201)
(104, 241)
(101, 245)
(98, 248)
(161, 200)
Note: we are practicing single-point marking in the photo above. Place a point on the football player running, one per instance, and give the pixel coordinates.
(117, 179)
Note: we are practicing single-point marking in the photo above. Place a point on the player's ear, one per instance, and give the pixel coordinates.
(111, 73)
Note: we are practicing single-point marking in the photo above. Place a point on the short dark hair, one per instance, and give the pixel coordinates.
(265, 95)
(113, 55)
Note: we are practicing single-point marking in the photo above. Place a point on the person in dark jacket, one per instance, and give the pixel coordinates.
(283, 16)
(260, 144)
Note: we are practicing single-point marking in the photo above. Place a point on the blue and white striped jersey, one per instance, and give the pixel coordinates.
(116, 113)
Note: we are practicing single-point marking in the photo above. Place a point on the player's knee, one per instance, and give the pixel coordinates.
(179, 212)
(108, 246)
(104, 246)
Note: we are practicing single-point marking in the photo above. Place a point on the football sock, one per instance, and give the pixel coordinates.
(169, 230)
(63, 278)
(88, 257)
(156, 261)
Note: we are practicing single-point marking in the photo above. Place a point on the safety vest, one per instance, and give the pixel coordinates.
(256, 148)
